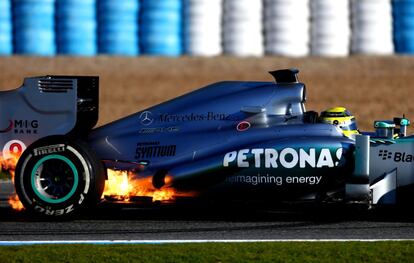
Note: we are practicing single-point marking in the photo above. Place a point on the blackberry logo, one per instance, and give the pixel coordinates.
(398, 157)
(385, 154)
(403, 157)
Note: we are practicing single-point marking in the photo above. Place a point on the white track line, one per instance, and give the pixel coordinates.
(126, 242)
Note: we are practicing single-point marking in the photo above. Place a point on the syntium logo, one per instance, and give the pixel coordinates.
(402, 157)
(287, 158)
(154, 149)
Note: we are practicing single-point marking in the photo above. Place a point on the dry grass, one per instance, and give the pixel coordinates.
(372, 87)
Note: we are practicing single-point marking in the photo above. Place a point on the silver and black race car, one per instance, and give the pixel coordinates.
(227, 141)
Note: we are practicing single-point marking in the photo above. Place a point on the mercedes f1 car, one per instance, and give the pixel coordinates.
(227, 141)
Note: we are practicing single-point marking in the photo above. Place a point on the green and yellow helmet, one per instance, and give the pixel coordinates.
(341, 117)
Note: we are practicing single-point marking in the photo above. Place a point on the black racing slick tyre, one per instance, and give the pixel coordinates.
(57, 177)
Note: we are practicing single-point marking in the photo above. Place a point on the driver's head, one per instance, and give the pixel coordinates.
(341, 117)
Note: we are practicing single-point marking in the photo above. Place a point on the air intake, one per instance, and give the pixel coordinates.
(55, 85)
(285, 75)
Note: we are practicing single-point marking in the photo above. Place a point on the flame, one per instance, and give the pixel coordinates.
(9, 165)
(117, 183)
(122, 185)
(15, 203)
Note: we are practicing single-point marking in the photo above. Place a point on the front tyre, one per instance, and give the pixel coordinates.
(57, 176)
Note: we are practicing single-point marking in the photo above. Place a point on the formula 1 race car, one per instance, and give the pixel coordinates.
(227, 141)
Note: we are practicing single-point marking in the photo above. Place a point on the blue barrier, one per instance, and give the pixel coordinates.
(162, 17)
(110, 25)
(406, 44)
(76, 27)
(403, 7)
(41, 16)
(170, 5)
(35, 42)
(34, 27)
(122, 27)
(74, 9)
(116, 7)
(5, 10)
(161, 27)
(118, 27)
(6, 46)
(403, 13)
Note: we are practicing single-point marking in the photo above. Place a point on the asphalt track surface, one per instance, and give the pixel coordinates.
(189, 223)
(228, 222)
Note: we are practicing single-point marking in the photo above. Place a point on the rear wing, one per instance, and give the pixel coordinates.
(87, 101)
(48, 105)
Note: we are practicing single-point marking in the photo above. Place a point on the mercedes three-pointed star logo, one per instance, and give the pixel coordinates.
(146, 118)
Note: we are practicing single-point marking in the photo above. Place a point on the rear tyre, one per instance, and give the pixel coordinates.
(57, 176)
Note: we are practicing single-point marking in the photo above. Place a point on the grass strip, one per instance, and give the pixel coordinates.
(402, 251)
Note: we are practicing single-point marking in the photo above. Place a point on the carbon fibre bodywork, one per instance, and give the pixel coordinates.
(203, 126)
(230, 140)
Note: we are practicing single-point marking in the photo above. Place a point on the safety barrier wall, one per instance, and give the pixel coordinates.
(242, 28)
(118, 27)
(76, 27)
(206, 27)
(202, 27)
(330, 28)
(6, 47)
(34, 27)
(372, 27)
(160, 27)
(286, 26)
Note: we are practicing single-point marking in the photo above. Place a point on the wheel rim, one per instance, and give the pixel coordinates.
(54, 179)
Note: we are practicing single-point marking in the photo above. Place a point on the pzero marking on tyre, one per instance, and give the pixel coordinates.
(81, 199)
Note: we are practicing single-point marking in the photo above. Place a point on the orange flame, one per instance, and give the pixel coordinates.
(9, 165)
(122, 186)
(15, 203)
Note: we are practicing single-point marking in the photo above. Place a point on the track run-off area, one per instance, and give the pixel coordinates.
(189, 224)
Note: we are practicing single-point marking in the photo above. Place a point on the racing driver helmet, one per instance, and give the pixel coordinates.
(342, 118)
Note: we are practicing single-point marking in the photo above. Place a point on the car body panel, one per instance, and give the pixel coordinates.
(230, 140)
